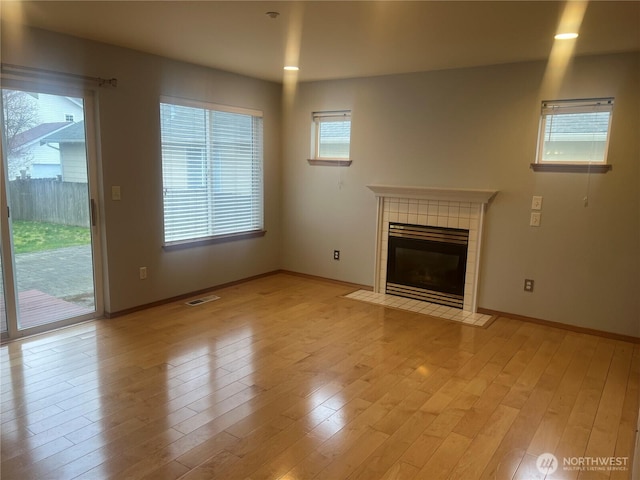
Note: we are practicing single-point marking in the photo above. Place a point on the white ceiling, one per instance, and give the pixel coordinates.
(338, 39)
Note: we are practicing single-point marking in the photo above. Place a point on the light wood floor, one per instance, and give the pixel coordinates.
(283, 379)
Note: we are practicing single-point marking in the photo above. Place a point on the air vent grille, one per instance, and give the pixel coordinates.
(200, 301)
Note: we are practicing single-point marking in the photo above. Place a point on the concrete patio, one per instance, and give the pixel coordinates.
(54, 284)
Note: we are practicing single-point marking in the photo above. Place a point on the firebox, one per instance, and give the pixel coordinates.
(427, 263)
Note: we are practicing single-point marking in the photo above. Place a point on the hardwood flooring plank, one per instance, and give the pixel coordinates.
(444, 458)
(283, 378)
(625, 442)
(169, 471)
(483, 446)
(59, 432)
(604, 433)
(389, 452)
(478, 415)
(343, 465)
(401, 471)
(519, 436)
(555, 419)
(288, 458)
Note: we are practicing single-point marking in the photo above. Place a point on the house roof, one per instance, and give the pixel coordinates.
(72, 133)
(36, 133)
(578, 127)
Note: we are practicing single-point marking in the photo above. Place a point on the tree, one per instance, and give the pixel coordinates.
(20, 115)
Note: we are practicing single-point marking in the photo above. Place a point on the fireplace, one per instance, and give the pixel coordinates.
(441, 211)
(427, 263)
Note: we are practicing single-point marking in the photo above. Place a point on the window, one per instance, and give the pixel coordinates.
(68, 117)
(574, 132)
(332, 137)
(211, 171)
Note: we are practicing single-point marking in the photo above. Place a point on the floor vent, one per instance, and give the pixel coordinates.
(199, 301)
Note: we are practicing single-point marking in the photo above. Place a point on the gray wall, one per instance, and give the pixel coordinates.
(473, 128)
(477, 128)
(130, 157)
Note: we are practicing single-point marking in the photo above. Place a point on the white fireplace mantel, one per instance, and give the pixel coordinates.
(432, 193)
(461, 208)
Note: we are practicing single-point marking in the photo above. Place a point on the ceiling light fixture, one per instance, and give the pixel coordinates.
(291, 68)
(566, 36)
(272, 14)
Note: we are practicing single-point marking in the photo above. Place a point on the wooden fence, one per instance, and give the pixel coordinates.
(49, 200)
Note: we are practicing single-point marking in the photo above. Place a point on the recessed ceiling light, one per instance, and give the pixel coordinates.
(291, 68)
(566, 36)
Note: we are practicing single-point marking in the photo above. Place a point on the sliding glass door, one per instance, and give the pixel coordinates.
(49, 242)
(3, 310)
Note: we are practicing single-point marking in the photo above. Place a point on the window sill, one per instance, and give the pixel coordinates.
(329, 162)
(567, 168)
(213, 240)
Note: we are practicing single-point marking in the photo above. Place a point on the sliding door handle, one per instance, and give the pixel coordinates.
(93, 212)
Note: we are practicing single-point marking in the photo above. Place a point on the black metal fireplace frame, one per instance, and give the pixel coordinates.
(447, 241)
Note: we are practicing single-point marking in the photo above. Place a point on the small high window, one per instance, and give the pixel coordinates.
(574, 132)
(332, 137)
(68, 117)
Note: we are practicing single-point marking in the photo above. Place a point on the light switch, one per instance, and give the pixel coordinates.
(535, 219)
(115, 192)
(536, 203)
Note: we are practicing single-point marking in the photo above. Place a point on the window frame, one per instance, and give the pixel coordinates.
(256, 186)
(317, 118)
(548, 109)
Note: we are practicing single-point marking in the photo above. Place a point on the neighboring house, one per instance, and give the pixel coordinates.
(30, 157)
(56, 108)
(33, 157)
(577, 137)
(70, 143)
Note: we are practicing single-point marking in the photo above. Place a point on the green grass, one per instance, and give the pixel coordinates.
(39, 236)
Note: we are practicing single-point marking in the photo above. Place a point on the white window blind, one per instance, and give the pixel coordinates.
(332, 134)
(211, 170)
(574, 131)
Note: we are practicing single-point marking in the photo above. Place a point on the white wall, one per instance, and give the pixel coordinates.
(54, 108)
(129, 127)
(477, 128)
(73, 158)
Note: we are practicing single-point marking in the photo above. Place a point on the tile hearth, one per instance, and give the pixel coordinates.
(425, 308)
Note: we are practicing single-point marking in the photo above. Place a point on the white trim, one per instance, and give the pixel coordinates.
(337, 115)
(87, 98)
(185, 102)
(476, 273)
(327, 117)
(433, 193)
(176, 193)
(560, 107)
(553, 108)
(379, 233)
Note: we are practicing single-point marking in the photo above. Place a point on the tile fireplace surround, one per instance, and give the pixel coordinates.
(434, 207)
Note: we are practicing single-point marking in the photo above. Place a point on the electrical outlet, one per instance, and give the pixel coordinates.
(536, 203)
(143, 273)
(115, 193)
(336, 254)
(534, 221)
(528, 285)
